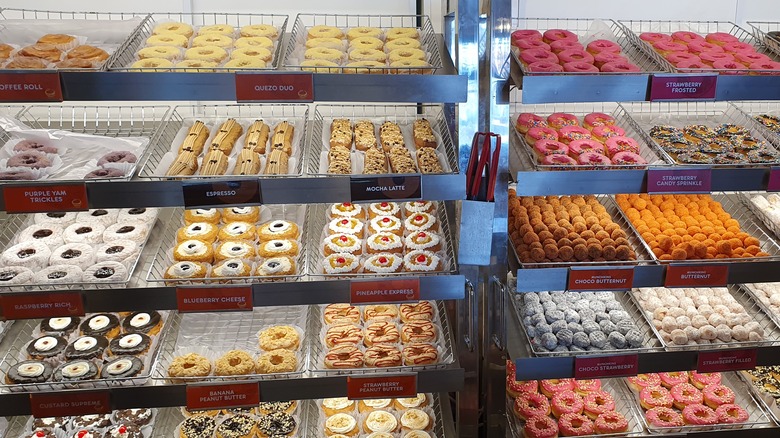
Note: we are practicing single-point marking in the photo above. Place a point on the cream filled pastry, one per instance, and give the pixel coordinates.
(203, 231)
(340, 263)
(384, 209)
(237, 231)
(235, 249)
(61, 326)
(345, 226)
(342, 242)
(193, 251)
(142, 322)
(231, 268)
(278, 229)
(421, 222)
(84, 232)
(383, 263)
(76, 254)
(45, 347)
(101, 324)
(116, 251)
(50, 234)
(186, 269)
(415, 419)
(278, 247)
(380, 421)
(422, 261)
(130, 344)
(74, 371)
(388, 224)
(241, 214)
(384, 242)
(276, 266)
(32, 255)
(121, 367)
(423, 240)
(86, 347)
(28, 371)
(106, 272)
(419, 207)
(347, 209)
(341, 423)
(210, 215)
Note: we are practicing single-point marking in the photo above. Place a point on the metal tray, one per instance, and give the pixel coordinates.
(645, 115)
(750, 289)
(648, 150)
(643, 256)
(761, 31)
(635, 27)
(318, 221)
(168, 420)
(404, 115)
(299, 33)
(744, 398)
(24, 331)
(319, 349)
(161, 153)
(755, 108)
(765, 219)
(138, 39)
(652, 341)
(753, 308)
(213, 334)
(588, 29)
(623, 405)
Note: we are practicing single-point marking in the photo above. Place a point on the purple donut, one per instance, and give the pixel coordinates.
(16, 175)
(104, 173)
(31, 159)
(32, 145)
(117, 157)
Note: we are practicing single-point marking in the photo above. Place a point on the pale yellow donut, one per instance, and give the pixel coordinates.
(254, 42)
(164, 52)
(325, 32)
(194, 63)
(402, 32)
(223, 29)
(212, 39)
(167, 39)
(402, 43)
(206, 53)
(319, 66)
(365, 67)
(367, 55)
(151, 64)
(366, 43)
(177, 28)
(259, 30)
(246, 62)
(332, 55)
(363, 31)
(328, 43)
(410, 67)
(252, 52)
(401, 54)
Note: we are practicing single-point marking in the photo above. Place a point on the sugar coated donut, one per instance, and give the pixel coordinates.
(585, 386)
(568, 134)
(163, 52)
(535, 55)
(667, 47)
(525, 34)
(323, 31)
(526, 121)
(167, 39)
(565, 402)
(545, 67)
(559, 160)
(540, 427)
(366, 43)
(686, 37)
(403, 54)
(540, 133)
(716, 395)
(152, 63)
(627, 158)
(699, 415)
(559, 120)
(700, 380)
(564, 45)
(602, 133)
(206, 53)
(530, 404)
(731, 413)
(177, 28)
(655, 397)
(597, 403)
(610, 423)
(677, 57)
(532, 44)
(574, 424)
(668, 380)
(252, 53)
(543, 148)
(593, 120)
(621, 144)
(664, 417)
(620, 67)
(259, 31)
(593, 159)
(684, 394)
(324, 53)
(402, 43)
(641, 381)
(552, 386)
(363, 31)
(575, 55)
(402, 32)
(367, 55)
(579, 147)
(515, 388)
(557, 35)
(580, 67)
(721, 38)
(599, 46)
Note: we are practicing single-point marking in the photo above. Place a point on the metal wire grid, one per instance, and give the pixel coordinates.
(744, 398)
(765, 219)
(634, 28)
(756, 108)
(401, 114)
(648, 150)
(761, 30)
(171, 125)
(213, 334)
(645, 115)
(318, 219)
(754, 295)
(749, 223)
(767, 402)
(162, 259)
(643, 254)
(623, 405)
(138, 39)
(588, 29)
(319, 349)
(304, 21)
(24, 331)
(652, 341)
(168, 420)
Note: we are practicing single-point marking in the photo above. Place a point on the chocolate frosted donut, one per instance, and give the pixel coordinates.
(198, 426)
(32, 145)
(59, 274)
(17, 175)
(28, 371)
(117, 251)
(122, 367)
(50, 234)
(30, 159)
(104, 173)
(74, 254)
(75, 371)
(118, 157)
(101, 324)
(45, 347)
(61, 326)
(13, 275)
(142, 322)
(130, 344)
(106, 272)
(86, 347)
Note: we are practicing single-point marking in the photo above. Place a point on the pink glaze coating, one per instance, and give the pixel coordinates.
(535, 55)
(655, 397)
(531, 44)
(575, 55)
(699, 415)
(654, 37)
(700, 380)
(563, 45)
(593, 120)
(599, 46)
(725, 65)
(598, 402)
(514, 387)
(526, 121)
(721, 38)
(644, 380)
(602, 58)
(621, 144)
(620, 67)
(697, 47)
(566, 402)
(540, 133)
(711, 57)
(576, 148)
(592, 158)
(731, 413)
(685, 394)
(557, 35)
(677, 57)
(665, 47)
(772, 65)
(545, 67)
(716, 395)
(558, 160)
(525, 34)
(542, 148)
(668, 380)
(602, 133)
(568, 134)
(553, 386)
(687, 37)
(585, 386)
(664, 417)
(580, 67)
(751, 58)
(529, 405)
(541, 426)
(559, 120)
(738, 47)
(692, 65)
(630, 158)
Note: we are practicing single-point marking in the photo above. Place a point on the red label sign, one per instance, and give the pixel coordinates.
(62, 404)
(384, 291)
(42, 305)
(601, 279)
(382, 387)
(49, 198)
(696, 275)
(774, 180)
(211, 299)
(679, 180)
(683, 87)
(606, 366)
(223, 395)
(30, 87)
(274, 87)
(729, 360)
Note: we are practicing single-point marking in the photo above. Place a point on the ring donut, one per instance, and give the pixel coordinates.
(212, 39)
(167, 39)
(344, 356)
(276, 361)
(252, 53)
(177, 28)
(410, 67)
(259, 30)
(222, 29)
(367, 55)
(319, 66)
(324, 53)
(366, 43)
(404, 54)
(363, 31)
(330, 43)
(402, 43)
(163, 52)
(365, 67)
(246, 62)
(194, 63)
(206, 53)
(235, 363)
(254, 42)
(323, 31)
(152, 63)
(402, 32)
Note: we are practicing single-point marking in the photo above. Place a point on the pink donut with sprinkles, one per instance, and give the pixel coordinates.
(543, 148)
(526, 121)
(642, 381)
(664, 417)
(603, 133)
(583, 387)
(545, 67)
(621, 144)
(699, 415)
(593, 120)
(593, 159)
(579, 147)
(700, 380)
(685, 394)
(628, 158)
(559, 160)
(559, 120)
(731, 413)
(716, 395)
(568, 134)
(557, 35)
(566, 402)
(540, 133)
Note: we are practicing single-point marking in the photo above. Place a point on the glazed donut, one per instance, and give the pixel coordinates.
(323, 53)
(344, 356)
(560, 120)
(669, 380)
(684, 394)
(213, 39)
(563, 45)
(535, 134)
(422, 311)
(206, 53)
(654, 37)
(245, 62)
(363, 31)
(716, 395)
(699, 415)
(254, 42)
(574, 424)
(366, 43)
(579, 147)
(620, 67)
(526, 121)
(365, 67)
(404, 54)
(531, 56)
(234, 363)
(551, 387)
(343, 334)
(280, 336)
(160, 52)
(383, 356)
(540, 427)
(259, 31)
(610, 423)
(322, 31)
(575, 55)
(515, 388)
(402, 43)
(410, 66)
(751, 58)
(276, 361)
(731, 413)
(642, 381)
(654, 397)
(599, 46)
(602, 133)
(252, 53)
(341, 313)
(721, 38)
(664, 417)
(381, 332)
(545, 67)
(700, 380)
(177, 28)
(530, 404)
(367, 55)
(580, 67)
(594, 120)
(597, 403)
(568, 134)
(402, 32)
(566, 402)
(738, 47)
(167, 39)
(557, 35)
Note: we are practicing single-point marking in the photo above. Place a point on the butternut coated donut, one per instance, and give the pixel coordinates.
(168, 39)
(177, 28)
(329, 43)
(323, 53)
(410, 66)
(259, 30)
(369, 43)
(276, 361)
(160, 52)
(212, 39)
(367, 55)
(246, 63)
(323, 31)
(280, 336)
(192, 63)
(206, 53)
(253, 53)
(190, 365)
(344, 356)
(235, 363)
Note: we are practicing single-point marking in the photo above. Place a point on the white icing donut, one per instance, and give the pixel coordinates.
(117, 251)
(31, 370)
(75, 369)
(45, 343)
(60, 323)
(85, 343)
(120, 366)
(59, 274)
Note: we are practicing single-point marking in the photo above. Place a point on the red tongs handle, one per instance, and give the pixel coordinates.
(479, 166)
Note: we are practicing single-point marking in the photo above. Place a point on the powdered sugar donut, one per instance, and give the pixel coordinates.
(59, 274)
(106, 272)
(103, 216)
(135, 231)
(15, 275)
(62, 219)
(75, 254)
(146, 215)
(49, 234)
(84, 232)
(117, 251)
(32, 255)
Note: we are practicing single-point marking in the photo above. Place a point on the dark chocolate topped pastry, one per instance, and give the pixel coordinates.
(75, 371)
(45, 347)
(62, 326)
(276, 423)
(49, 423)
(28, 371)
(237, 426)
(90, 421)
(101, 324)
(123, 431)
(278, 406)
(121, 367)
(130, 344)
(236, 411)
(86, 347)
(199, 426)
(138, 417)
(142, 322)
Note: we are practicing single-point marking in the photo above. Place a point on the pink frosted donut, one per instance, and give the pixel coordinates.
(540, 133)
(738, 47)
(593, 120)
(579, 147)
(667, 47)
(699, 415)
(559, 160)
(526, 121)
(563, 45)
(677, 57)
(664, 417)
(525, 34)
(721, 38)
(543, 148)
(541, 426)
(602, 58)
(600, 46)
(685, 394)
(557, 35)
(559, 120)
(654, 37)
(531, 44)
(655, 397)
(700, 380)
(770, 65)
(668, 380)
(698, 65)
(731, 413)
(551, 387)
(515, 388)
(621, 144)
(593, 159)
(620, 67)
(575, 55)
(642, 381)
(602, 133)
(585, 386)
(566, 402)
(687, 37)
(627, 158)
(751, 58)
(711, 57)
(568, 134)
(545, 67)
(716, 395)
(535, 55)
(731, 67)
(529, 405)
(580, 67)
(597, 403)
(697, 47)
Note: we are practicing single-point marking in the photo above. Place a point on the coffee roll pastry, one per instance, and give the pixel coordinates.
(88, 53)
(186, 163)
(341, 313)
(45, 52)
(277, 163)
(418, 331)
(5, 51)
(237, 231)
(214, 163)
(278, 229)
(428, 161)
(401, 160)
(202, 231)
(420, 354)
(374, 162)
(278, 247)
(341, 133)
(381, 332)
(75, 63)
(276, 266)
(227, 135)
(282, 138)
(193, 251)
(383, 356)
(28, 63)
(129, 344)
(380, 312)
(338, 334)
(257, 137)
(231, 268)
(195, 139)
(235, 249)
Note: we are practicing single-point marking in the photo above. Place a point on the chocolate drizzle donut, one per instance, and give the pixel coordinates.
(86, 347)
(45, 347)
(131, 344)
(237, 426)
(29, 371)
(90, 421)
(276, 423)
(133, 416)
(142, 322)
(75, 371)
(198, 426)
(121, 367)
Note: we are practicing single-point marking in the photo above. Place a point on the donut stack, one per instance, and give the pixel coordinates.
(52, 51)
(558, 50)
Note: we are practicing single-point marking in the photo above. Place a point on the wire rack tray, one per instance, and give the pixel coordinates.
(756, 108)
(588, 29)
(401, 114)
(643, 116)
(767, 402)
(303, 22)
(648, 150)
(766, 33)
(634, 28)
(183, 115)
(766, 219)
(754, 295)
